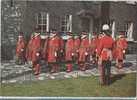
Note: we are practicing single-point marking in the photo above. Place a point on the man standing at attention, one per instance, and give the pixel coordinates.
(53, 49)
(36, 52)
(20, 49)
(84, 51)
(104, 52)
(119, 50)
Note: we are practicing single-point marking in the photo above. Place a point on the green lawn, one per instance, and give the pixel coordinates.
(124, 85)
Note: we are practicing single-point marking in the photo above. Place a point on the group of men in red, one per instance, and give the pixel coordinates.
(100, 50)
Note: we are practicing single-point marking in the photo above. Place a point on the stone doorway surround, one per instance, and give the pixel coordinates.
(87, 20)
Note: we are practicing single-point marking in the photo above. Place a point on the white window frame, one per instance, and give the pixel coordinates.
(67, 23)
(129, 31)
(113, 28)
(43, 16)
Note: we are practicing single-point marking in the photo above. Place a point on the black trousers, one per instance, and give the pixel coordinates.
(106, 70)
(21, 59)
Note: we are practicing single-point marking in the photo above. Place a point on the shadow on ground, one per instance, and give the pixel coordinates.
(127, 64)
(116, 77)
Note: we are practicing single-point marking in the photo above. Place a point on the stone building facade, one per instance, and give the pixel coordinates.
(124, 15)
(12, 14)
(74, 16)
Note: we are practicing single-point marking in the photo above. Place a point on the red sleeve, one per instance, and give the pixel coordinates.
(37, 43)
(99, 47)
(125, 44)
(23, 44)
(61, 43)
(76, 43)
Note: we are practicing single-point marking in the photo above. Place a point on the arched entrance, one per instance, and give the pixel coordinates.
(86, 20)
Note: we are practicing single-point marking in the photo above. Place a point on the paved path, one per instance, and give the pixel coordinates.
(12, 73)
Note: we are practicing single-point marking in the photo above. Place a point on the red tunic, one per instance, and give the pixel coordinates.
(61, 52)
(36, 44)
(20, 47)
(76, 44)
(53, 48)
(99, 39)
(29, 49)
(84, 48)
(105, 47)
(61, 43)
(44, 52)
(69, 49)
(120, 46)
(94, 44)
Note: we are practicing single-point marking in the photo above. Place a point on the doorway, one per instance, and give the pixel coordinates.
(87, 24)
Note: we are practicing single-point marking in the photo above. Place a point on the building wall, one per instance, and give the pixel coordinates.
(57, 10)
(12, 14)
(121, 13)
(21, 16)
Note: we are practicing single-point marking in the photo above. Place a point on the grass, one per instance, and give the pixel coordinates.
(123, 86)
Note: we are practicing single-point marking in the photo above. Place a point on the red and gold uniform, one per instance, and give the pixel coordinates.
(36, 47)
(105, 43)
(84, 51)
(29, 49)
(104, 51)
(20, 49)
(76, 48)
(94, 44)
(61, 51)
(119, 50)
(53, 48)
(69, 52)
(44, 51)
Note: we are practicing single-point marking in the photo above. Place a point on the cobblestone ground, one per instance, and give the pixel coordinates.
(12, 73)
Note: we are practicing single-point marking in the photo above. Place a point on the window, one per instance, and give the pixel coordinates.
(129, 31)
(112, 28)
(66, 24)
(43, 22)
